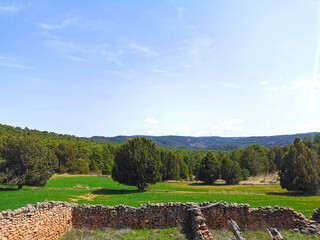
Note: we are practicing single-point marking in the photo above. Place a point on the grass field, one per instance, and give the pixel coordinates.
(103, 190)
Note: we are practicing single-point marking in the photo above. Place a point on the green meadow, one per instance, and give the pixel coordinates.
(103, 190)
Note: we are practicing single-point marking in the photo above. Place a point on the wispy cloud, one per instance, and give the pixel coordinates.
(264, 82)
(151, 120)
(155, 70)
(228, 84)
(110, 55)
(183, 129)
(227, 127)
(149, 133)
(180, 13)
(65, 46)
(64, 24)
(272, 89)
(77, 59)
(9, 8)
(9, 62)
(124, 132)
(122, 74)
(306, 83)
(143, 49)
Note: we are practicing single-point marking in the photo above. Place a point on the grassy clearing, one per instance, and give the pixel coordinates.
(158, 234)
(103, 190)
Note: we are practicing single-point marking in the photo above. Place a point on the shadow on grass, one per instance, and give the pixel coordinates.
(206, 184)
(7, 189)
(105, 191)
(289, 194)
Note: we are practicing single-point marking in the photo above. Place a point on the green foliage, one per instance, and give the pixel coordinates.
(66, 156)
(209, 170)
(184, 171)
(245, 173)
(170, 165)
(137, 163)
(253, 158)
(26, 161)
(230, 171)
(300, 169)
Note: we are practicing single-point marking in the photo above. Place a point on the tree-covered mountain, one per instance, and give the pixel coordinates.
(212, 143)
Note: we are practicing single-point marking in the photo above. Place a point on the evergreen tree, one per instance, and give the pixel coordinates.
(209, 170)
(300, 170)
(137, 163)
(67, 158)
(230, 171)
(26, 161)
(170, 165)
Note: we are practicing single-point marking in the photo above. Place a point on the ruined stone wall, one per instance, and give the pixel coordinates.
(252, 218)
(149, 216)
(49, 220)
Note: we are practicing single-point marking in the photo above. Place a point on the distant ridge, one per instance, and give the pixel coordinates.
(213, 143)
(181, 142)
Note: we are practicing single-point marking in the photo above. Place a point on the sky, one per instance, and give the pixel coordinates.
(170, 67)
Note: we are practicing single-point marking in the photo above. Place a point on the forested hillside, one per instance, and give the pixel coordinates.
(212, 143)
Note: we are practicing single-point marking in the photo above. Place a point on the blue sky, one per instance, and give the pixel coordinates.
(197, 68)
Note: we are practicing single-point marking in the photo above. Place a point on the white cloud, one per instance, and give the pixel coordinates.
(306, 83)
(228, 84)
(9, 62)
(264, 82)
(77, 59)
(10, 8)
(157, 70)
(302, 128)
(124, 132)
(227, 127)
(65, 46)
(183, 129)
(151, 121)
(149, 133)
(143, 49)
(64, 24)
(234, 121)
(272, 89)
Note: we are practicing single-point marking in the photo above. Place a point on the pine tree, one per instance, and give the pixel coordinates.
(300, 169)
(209, 170)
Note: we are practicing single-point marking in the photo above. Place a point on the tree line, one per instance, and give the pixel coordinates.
(28, 155)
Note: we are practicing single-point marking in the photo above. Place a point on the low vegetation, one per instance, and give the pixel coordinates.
(103, 190)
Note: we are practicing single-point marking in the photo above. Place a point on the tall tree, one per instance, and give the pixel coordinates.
(170, 165)
(137, 163)
(230, 171)
(209, 170)
(67, 157)
(300, 170)
(26, 161)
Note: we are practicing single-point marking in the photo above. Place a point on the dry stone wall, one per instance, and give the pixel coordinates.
(49, 220)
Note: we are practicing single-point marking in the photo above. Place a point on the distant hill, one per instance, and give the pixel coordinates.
(212, 143)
